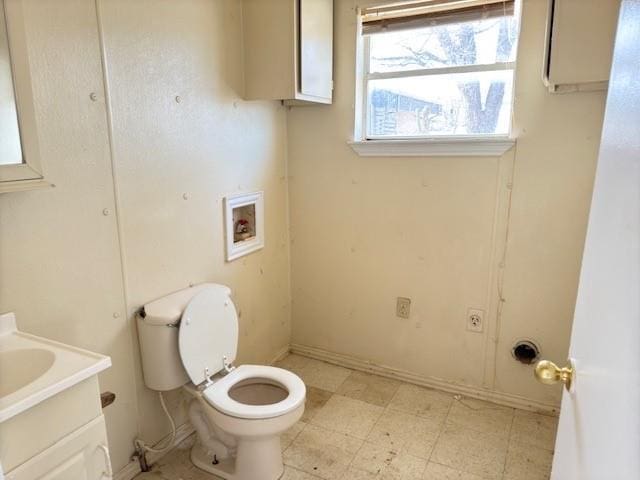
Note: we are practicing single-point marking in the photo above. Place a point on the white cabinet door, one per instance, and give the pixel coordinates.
(81, 455)
(316, 48)
(580, 40)
(73, 468)
(599, 431)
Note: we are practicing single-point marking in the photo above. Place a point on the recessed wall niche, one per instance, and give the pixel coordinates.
(244, 224)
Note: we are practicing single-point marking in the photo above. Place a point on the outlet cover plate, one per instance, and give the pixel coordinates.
(403, 307)
(475, 320)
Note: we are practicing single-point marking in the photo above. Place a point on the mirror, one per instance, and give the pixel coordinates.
(10, 146)
(20, 162)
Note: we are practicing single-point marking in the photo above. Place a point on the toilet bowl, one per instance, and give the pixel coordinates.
(239, 412)
(253, 405)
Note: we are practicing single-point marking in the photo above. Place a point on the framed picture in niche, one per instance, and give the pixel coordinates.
(244, 224)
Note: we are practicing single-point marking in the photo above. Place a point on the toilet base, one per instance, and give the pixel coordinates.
(224, 468)
(265, 463)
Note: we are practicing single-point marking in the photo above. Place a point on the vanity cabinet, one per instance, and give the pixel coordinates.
(288, 50)
(81, 455)
(51, 422)
(71, 440)
(579, 48)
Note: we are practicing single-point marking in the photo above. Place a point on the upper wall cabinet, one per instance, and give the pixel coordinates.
(580, 37)
(288, 50)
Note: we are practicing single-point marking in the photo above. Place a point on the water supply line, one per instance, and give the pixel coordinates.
(142, 448)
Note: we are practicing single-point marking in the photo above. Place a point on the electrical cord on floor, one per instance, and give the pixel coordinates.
(141, 445)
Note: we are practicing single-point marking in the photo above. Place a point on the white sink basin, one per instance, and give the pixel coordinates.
(34, 362)
(33, 369)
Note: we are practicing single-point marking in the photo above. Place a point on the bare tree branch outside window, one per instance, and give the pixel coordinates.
(401, 106)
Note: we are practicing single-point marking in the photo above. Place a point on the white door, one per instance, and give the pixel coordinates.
(599, 431)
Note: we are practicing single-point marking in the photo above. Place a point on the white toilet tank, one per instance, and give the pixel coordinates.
(158, 335)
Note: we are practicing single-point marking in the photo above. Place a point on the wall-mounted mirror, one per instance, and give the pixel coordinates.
(20, 166)
(10, 146)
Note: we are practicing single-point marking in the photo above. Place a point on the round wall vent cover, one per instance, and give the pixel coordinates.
(525, 351)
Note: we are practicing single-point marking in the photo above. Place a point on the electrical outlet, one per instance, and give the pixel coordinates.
(475, 320)
(403, 307)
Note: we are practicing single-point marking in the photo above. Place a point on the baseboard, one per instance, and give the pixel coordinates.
(500, 398)
(133, 467)
(283, 352)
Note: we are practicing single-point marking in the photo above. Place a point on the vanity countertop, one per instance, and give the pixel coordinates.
(33, 369)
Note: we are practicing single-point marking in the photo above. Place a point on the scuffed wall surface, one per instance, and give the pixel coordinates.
(60, 267)
(59, 251)
(366, 230)
(176, 160)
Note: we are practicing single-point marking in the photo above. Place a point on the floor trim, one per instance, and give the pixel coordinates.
(133, 467)
(283, 352)
(500, 398)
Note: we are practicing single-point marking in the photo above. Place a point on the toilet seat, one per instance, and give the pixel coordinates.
(217, 394)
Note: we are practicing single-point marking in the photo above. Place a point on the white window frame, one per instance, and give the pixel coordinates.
(425, 145)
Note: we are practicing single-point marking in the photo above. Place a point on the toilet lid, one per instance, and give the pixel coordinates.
(208, 332)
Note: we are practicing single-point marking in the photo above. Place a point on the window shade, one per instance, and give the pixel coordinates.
(416, 14)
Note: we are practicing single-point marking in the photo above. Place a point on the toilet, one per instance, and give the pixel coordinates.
(189, 339)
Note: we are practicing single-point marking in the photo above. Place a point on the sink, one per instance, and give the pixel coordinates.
(21, 367)
(33, 369)
(49, 391)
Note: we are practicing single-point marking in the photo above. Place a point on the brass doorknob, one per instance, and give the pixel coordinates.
(549, 373)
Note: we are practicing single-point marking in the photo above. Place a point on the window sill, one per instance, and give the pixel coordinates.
(437, 147)
(24, 185)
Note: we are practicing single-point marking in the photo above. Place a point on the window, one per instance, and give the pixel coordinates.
(438, 68)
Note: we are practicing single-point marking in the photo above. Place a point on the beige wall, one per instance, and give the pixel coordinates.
(366, 230)
(61, 270)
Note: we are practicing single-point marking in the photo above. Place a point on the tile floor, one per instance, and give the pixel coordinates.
(358, 426)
